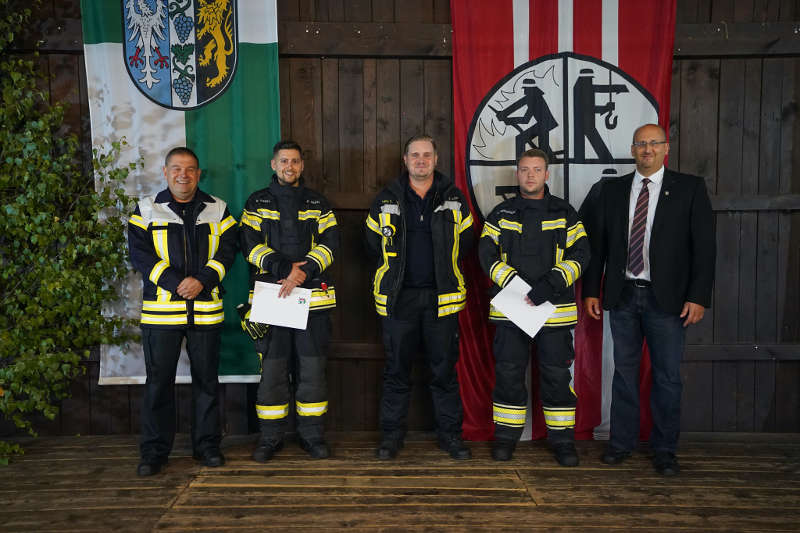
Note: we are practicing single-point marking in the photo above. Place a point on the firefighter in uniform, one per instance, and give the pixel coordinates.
(418, 228)
(289, 235)
(183, 241)
(537, 236)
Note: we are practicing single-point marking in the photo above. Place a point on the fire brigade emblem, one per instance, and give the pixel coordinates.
(580, 110)
(180, 53)
(387, 231)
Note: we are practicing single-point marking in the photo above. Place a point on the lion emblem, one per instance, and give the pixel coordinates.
(214, 18)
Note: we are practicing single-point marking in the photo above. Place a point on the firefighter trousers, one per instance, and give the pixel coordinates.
(300, 356)
(162, 348)
(512, 348)
(413, 327)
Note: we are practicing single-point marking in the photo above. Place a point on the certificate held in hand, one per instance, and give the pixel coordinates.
(289, 312)
(511, 302)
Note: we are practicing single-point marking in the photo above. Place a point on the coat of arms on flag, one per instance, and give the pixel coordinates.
(181, 54)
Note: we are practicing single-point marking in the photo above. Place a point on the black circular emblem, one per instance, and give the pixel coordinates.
(387, 231)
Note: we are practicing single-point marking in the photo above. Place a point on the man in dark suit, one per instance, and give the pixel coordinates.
(658, 258)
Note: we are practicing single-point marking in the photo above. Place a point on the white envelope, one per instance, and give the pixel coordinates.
(290, 312)
(511, 302)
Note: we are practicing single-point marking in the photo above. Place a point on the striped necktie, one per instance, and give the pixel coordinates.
(636, 241)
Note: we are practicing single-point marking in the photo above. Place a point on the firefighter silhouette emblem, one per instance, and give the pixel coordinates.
(579, 109)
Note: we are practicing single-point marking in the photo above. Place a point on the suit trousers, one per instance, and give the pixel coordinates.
(638, 317)
(162, 348)
(415, 326)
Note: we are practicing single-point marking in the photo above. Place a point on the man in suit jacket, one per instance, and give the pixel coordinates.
(658, 258)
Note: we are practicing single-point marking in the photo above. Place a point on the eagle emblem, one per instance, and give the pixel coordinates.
(181, 54)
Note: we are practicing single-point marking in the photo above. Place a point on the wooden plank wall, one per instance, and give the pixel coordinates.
(733, 120)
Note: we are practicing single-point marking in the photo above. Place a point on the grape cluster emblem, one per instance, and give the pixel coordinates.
(180, 53)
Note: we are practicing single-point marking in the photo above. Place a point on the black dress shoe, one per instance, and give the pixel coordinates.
(455, 447)
(211, 457)
(317, 449)
(503, 449)
(150, 466)
(566, 454)
(266, 449)
(388, 449)
(614, 456)
(666, 464)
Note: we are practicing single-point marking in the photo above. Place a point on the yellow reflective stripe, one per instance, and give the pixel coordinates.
(258, 253)
(205, 320)
(172, 320)
(564, 314)
(446, 310)
(569, 270)
(574, 233)
(325, 222)
(495, 314)
(269, 214)
(205, 305)
(155, 305)
(311, 409)
(559, 417)
(252, 220)
(160, 244)
(501, 272)
(163, 295)
(138, 221)
(158, 269)
(379, 273)
(510, 225)
(557, 223)
(454, 255)
(322, 255)
(308, 214)
(227, 224)
(509, 415)
(219, 267)
(321, 299)
(373, 225)
(272, 412)
(213, 245)
(491, 232)
(451, 297)
(465, 224)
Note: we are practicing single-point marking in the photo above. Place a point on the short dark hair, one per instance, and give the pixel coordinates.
(181, 150)
(420, 137)
(535, 152)
(286, 144)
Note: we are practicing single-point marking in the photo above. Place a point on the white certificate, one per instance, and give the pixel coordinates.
(511, 302)
(290, 312)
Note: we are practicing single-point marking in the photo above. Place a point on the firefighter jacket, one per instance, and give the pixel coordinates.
(165, 251)
(545, 245)
(305, 230)
(451, 231)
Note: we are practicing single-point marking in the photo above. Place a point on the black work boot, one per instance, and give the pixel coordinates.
(316, 448)
(566, 454)
(503, 449)
(266, 449)
(388, 448)
(454, 446)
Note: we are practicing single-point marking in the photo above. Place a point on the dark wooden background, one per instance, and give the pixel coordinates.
(359, 76)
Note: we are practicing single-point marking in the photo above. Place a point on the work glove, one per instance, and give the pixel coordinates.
(256, 330)
(542, 291)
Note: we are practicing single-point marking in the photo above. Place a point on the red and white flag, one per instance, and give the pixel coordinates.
(574, 78)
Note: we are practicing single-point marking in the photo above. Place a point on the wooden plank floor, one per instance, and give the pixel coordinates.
(730, 482)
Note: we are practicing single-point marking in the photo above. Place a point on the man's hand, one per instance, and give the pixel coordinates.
(529, 301)
(295, 278)
(693, 313)
(592, 307)
(189, 288)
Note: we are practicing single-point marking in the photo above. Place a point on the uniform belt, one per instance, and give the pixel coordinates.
(640, 283)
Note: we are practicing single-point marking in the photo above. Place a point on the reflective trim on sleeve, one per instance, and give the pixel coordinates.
(158, 269)
(501, 272)
(558, 223)
(138, 221)
(326, 221)
(574, 233)
(218, 267)
(510, 225)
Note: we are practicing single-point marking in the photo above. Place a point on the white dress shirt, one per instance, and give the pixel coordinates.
(654, 188)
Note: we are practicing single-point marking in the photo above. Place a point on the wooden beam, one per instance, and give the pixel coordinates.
(735, 202)
(724, 39)
(383, 39)
(742, 352)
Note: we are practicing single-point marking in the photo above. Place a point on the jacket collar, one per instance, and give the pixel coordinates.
(165, 197)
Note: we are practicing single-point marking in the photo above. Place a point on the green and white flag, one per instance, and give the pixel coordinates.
(196, 73)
